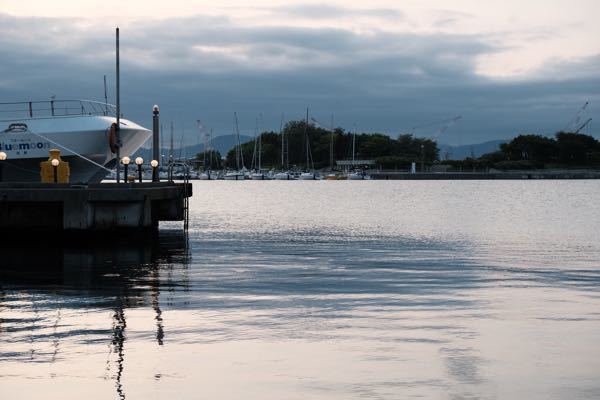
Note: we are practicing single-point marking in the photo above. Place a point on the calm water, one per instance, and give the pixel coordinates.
(320, 290)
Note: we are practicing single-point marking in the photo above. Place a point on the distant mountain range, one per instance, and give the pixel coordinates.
(227, 142)
(469, 150)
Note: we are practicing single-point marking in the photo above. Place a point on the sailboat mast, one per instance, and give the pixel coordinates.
(210, 148)
(237, 145)
(331, 146)
(162, 145)
(306, 137)
(353, 144)
(171, 150)
(259, 143)
(282, 141)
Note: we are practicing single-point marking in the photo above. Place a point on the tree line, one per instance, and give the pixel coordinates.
(527, 151)
(385, 150)
(532, 151)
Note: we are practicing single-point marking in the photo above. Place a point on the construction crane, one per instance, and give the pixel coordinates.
(442, 125)
(583, 125)
(576, 120)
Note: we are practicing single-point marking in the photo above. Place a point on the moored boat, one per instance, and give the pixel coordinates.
(80, 129)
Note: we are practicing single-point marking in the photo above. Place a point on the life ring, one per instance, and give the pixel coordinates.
(112, 138)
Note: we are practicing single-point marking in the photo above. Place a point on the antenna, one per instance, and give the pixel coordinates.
(105, 98)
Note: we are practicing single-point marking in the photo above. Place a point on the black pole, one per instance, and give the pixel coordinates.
(154, 175)
(55, 167)
(140, 172)
(118, 94)
(155, 134)
(125, 174)
(1, 162)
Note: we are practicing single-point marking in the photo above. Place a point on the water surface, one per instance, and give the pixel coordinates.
(312, 290)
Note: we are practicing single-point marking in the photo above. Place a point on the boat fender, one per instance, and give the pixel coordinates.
(112, 138)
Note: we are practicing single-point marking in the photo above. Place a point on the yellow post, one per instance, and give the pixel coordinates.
(62, 169)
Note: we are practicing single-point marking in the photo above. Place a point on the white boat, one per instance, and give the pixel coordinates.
(207, 176)
(354, 176)
(259, 176)
(80, 129)
(283, 176)
(310, 176)
(234, 176)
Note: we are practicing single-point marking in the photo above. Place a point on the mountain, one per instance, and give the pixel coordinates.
(476, 150)
(220, 143)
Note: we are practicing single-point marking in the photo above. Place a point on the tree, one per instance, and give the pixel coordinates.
(575, 148)
(535, 148)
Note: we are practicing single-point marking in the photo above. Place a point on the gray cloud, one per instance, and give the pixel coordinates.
(207, 67)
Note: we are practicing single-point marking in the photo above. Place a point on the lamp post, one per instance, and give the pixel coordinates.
(154, 165)
(139, 161)
(55, 163)
(2, 158)
(125, 161)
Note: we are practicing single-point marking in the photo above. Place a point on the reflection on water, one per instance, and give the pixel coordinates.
(380, 290)
(114, 274)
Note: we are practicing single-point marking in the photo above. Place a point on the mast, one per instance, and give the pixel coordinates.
(205, 143)
(238, 151)
(331, 146)
(162, 146)
(306, 138)
(171, 150)
(282, 141)
(353, 144)
(105, 98)
(118, 98)
(210, 148)
(259, 143)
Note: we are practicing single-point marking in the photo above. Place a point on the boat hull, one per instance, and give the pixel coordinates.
(83, 141)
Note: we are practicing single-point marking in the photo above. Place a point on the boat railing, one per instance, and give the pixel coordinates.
(54, 108)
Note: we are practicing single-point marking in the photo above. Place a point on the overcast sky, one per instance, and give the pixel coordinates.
(506, 67)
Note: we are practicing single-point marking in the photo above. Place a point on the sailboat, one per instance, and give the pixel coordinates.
(238, 174)
(258, 174)
(356, 175)
(308, 175)
(285, 174)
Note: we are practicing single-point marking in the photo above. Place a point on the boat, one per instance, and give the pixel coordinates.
(360, 175)
(207, 176)
(80, 129)
(284, 176)
(310, 176)
(234, 176)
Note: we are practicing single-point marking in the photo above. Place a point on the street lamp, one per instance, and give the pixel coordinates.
(2, 158)
(154, 165)
(55, 163)
(139, 161)
(125, 161)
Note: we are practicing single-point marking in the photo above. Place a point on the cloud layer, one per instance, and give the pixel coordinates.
(206, 68)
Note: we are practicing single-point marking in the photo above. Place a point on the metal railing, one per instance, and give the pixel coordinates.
(54, 108)
(186, 182)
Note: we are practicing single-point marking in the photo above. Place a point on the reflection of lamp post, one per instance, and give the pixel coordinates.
(125, 161)
(139, 161)
(55, 163)
(154, 165)
(2, 158)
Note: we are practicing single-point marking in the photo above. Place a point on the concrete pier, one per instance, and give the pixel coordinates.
(91, 208)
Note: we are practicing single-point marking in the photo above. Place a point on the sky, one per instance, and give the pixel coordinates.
(506, 68)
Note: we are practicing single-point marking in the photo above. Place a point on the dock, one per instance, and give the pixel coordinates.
(92, 208)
